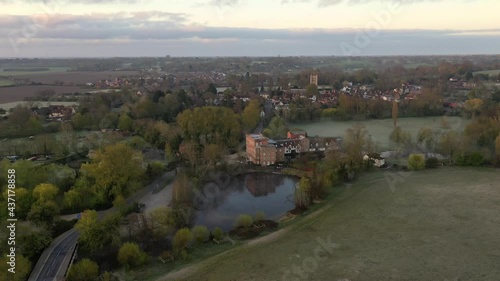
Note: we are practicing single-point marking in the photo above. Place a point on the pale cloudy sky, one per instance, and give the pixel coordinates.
(98, 28)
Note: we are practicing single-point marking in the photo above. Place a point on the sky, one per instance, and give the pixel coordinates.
(145, 28)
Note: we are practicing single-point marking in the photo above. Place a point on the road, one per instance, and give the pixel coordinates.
(54, 261)
(268, 110)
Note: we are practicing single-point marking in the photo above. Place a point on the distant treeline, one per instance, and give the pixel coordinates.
(27, 69)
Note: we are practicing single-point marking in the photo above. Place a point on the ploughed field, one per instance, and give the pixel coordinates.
(441, 224)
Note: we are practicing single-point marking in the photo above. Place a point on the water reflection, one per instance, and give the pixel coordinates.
(269, 193)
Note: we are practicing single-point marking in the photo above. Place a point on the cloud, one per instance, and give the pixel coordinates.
(160, 33)
(326, 3)
(65, 2)
(221, 3)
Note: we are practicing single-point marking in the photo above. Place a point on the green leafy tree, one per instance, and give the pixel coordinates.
(162, 222)
(45, 192)
(32, 240)
(200, 233)
(357, 143)
(218, 233)
(116, 170)
(23, 269)
(125, 122)
(44, 213)
(182, 239)
(84, 270)
(131, 256)
(277, 128)
(251, 115)
(311, 90)
(244, 221)
(416, 162)
(96, 235)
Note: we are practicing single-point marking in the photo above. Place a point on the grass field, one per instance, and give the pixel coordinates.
(438, 224)
(23, 72)
(489, 72)
(76, 78)
(6, 82)
(18, 93)
(380, 129)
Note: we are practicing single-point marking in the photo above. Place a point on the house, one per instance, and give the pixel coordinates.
(264, 151)
(378, 160)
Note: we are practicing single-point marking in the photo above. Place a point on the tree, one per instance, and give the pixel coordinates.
(162, 222)
(251, 115)
(311, 90)
(277, 128)
(44, 212)
(416, 162)
(131, 256)
(24, 201)
(200, 233)
(23, 268)
(84, 270)
(182, 239)
(96, 235)
(497, 150)
(125, 122)
(395, 110)
(116, 170)
(428, 137)
(357, 143)
(473, 106)
(400, 137)
(45, 192)
(244, 221)
(218, 233)
(209, 124)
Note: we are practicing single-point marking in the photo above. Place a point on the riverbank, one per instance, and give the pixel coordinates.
(426, 227)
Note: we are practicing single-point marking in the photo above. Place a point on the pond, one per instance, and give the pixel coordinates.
(247, 194)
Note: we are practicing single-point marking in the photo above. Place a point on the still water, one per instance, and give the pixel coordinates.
(247, 194)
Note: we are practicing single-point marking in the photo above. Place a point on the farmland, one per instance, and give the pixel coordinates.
(74, 78)
(434, 225)
(7, 106)
(26, 71)
(18, 93)
(493, 73)
(6, 82)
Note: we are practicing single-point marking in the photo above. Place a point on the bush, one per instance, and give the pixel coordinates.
(182, 239)
(416, 162)
(131, 256)
(218, 233)
(260, 216)
(84, 270)
(474, 159)
(432, 162)
(244, 221)
(155, 169)
(200, 233)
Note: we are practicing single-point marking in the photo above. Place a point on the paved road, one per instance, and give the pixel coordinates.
(54, 261)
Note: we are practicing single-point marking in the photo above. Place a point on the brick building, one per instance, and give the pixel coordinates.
(264, 151)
